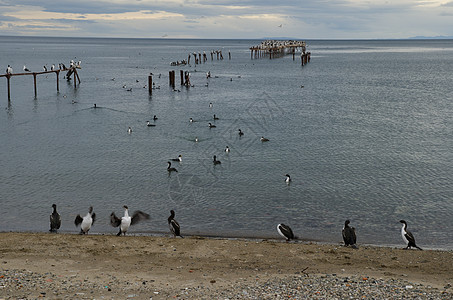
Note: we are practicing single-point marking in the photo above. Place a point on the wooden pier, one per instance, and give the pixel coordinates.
(70, 71)
(275, 49)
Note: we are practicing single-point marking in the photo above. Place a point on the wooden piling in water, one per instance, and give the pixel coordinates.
(172, 78)
(181, 76)
(34, 81)
(150, 83)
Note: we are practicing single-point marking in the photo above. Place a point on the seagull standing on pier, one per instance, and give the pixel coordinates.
(126, 221)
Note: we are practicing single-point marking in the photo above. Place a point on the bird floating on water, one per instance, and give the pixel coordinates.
(126, 221)
(174, 225)
(408, 237)
(349, 236)
(149, 124)
(286, 232)
(263, 139)
(227, 149)
(240, 132)
(129, 130)
(215, 117)
(85, 222)
(211, 125)
(215, 161)
(170, 169)
(55, 219)
(288, 178)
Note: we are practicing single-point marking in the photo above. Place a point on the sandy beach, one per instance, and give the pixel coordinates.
(70, 266)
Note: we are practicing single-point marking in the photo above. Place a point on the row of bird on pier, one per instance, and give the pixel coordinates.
(61, 67)
(85, 223)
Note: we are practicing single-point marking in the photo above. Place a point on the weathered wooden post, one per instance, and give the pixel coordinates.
(181, 75)
(172, 78)
(58, 82)
(9, 89)
(150, 83)
(34, 80)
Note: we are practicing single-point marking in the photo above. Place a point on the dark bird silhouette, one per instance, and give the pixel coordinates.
(286, 232)
(349, 236)
(55, 219)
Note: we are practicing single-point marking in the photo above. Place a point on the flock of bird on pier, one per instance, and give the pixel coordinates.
(61, 67)
(85, 223)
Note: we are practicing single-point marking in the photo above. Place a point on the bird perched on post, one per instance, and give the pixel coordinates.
(26, 69)
(174, 225)
(349, 236)
(85, 222)
(55, 219)
(126, 221)
(407, 236)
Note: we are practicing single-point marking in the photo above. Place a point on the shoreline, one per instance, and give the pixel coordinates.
(140, 267)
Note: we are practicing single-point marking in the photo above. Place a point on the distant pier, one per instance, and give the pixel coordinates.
(70, 71)
(275, 49)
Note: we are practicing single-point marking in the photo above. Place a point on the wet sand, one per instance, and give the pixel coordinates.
(86, 267)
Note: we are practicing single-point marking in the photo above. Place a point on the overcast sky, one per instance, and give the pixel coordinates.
(308, 19)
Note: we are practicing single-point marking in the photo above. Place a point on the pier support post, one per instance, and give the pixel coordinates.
(9, 89)
(172, 78)
(58, 81)
(34, 81)
(150, 83)
(181, 75)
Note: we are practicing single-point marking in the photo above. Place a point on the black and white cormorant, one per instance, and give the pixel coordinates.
(288, 178)
(179, 159)
(211, 125)
(349, 236)
(227, 149)
(9, 70)
(263, 139)
(240, 132)
(286, 232)
(85, 222)
(174, 225)
(55, 219)
(149, 124)
(44, 68)
(129, 130)
(26, 69)
(126, 221)
(155, 118)
(170, 169)
(408, 237)
(215, 161)
(215, 117)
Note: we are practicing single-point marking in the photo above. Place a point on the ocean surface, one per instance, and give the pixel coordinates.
(365, 130)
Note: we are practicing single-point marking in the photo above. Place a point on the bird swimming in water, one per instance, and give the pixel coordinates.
(85, 222)
(149, 124)
(177, 159)
(129, 130)
(288, 178)
(55, 219)
(170, 169)
(155, 118)
(286, 232)
(174, 225)
(240, 132)
(211, 125)
(349, 236)
(126, 221)
(215, 117)
(215, 161)
(407, 236)
(210, 104)
(227, 149)
(196, 139)
(263, 139)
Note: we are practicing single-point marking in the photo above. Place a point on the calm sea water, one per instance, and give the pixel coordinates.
(365, 130)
